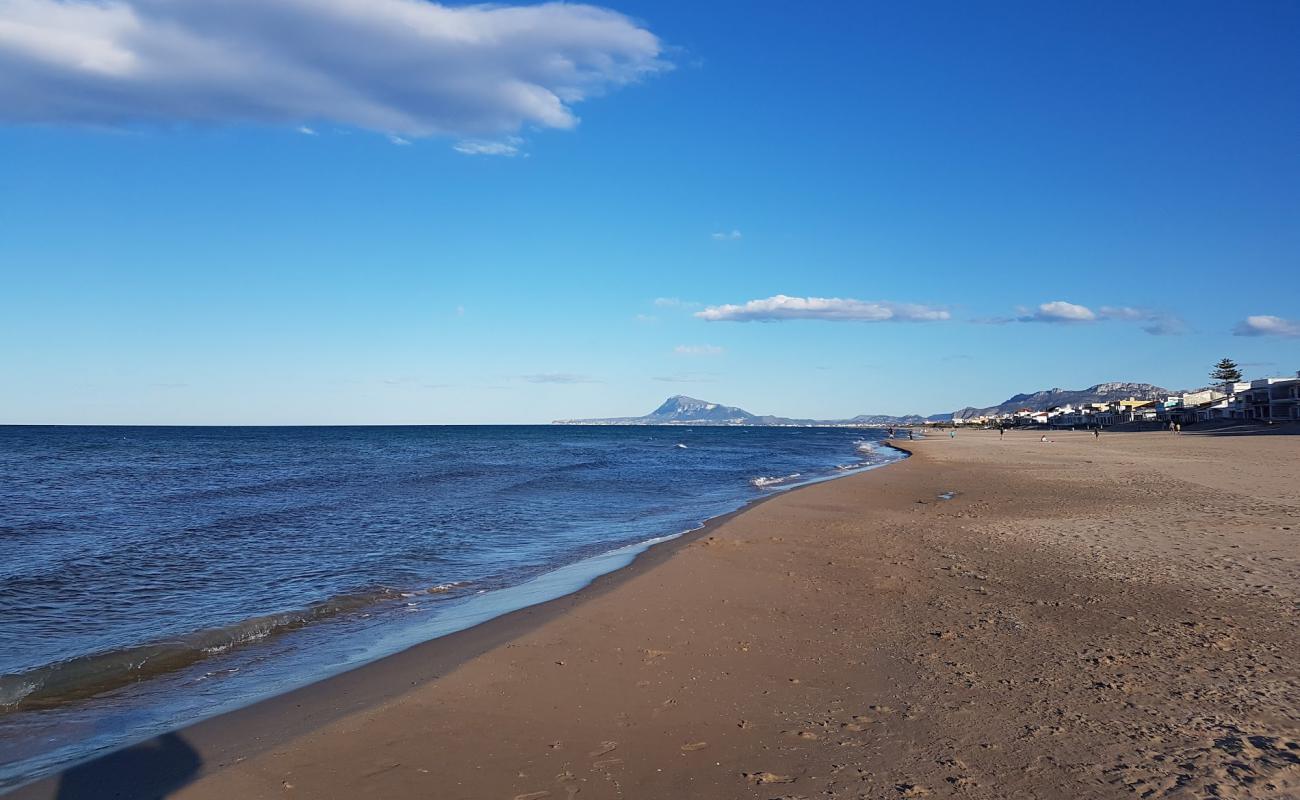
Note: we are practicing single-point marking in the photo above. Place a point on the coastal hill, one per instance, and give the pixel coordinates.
(1049, 398)
(683, 410)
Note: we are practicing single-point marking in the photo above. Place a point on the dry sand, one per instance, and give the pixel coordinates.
(1110, 618)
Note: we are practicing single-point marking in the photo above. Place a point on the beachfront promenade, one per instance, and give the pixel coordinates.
(1083, 618)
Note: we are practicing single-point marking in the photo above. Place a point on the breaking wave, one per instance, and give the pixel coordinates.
(53, 684)
(763, 482)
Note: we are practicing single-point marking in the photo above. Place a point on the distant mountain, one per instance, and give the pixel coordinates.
(1049, 398)
(683, 410)
(680, 408)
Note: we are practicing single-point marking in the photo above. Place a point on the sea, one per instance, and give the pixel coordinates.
(151, 577)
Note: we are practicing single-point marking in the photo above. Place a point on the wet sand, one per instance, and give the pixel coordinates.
(1083, 618)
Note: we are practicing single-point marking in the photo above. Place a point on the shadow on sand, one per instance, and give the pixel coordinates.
(151, 769)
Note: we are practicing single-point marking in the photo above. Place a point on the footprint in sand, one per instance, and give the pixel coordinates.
(605, 747)
(691, 747)
(765, 778)
(654, 656)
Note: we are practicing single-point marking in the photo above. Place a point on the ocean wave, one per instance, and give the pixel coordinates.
(765, 482)
(86, 676)
(444, 588)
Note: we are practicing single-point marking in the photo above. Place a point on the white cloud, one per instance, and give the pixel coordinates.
(834, 309)
(698, 350)
(1266, 325)
(726, 236)
(398, 140)
(306, 131)
(1156, 323)
(405, 68)
(508, 147)
(1060, 311)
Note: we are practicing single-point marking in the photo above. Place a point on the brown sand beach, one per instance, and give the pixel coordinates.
(1110, 618)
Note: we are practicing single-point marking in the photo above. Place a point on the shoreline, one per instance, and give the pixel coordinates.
(1081, 618)
(223, 733)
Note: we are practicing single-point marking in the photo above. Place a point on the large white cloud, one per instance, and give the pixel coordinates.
(1266, 325)
(833, 309)
(402, 67)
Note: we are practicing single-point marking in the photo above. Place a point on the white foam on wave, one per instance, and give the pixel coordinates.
(763, 482)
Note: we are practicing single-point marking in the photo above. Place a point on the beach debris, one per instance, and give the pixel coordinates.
(691, 747)
(764, 778)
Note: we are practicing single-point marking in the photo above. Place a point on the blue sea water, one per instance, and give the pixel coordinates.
(151, 577)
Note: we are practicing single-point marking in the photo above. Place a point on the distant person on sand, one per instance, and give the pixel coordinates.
(1044, 438)
(1002, 433)
(952, 434)
(1096, 433)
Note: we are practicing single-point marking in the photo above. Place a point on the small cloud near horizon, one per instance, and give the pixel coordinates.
(673, 302)
(698, 350)
(1062, 312)
(726, 236)
(687, 377)
(1267, 325)
(830, 309)
(558, 377)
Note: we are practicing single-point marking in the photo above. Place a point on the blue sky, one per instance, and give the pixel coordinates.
(562, 212)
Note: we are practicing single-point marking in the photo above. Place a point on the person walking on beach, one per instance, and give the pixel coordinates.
(1096, 434)
(952, 434)
(1002, 434)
